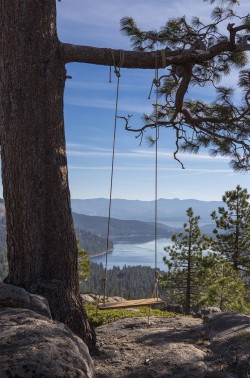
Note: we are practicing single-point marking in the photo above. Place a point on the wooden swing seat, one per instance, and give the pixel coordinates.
(131, 303)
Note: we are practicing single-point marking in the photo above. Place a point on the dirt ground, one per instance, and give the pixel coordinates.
(167, 347)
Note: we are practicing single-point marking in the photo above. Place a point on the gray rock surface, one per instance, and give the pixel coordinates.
(93, 298)
(40, 305)
(165, 348)
(230, 337)
(179, 347)
(13, 296)
(16, 297)
(176, 308)
(34, 346)
(206, 311)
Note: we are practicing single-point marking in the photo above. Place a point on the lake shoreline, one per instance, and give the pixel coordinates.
(101, 254)
(127, 254)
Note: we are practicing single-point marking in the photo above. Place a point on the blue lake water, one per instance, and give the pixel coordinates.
(136, 254)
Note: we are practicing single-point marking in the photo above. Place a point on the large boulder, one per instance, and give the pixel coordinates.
(13, 296)
(34, 346)
(176, 308)
(206, 311)
(16, 297)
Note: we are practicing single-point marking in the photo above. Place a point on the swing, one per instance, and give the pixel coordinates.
(154, 299)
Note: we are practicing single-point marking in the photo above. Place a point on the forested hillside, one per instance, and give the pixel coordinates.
(130, 282)
(122, 230)
(92, 243)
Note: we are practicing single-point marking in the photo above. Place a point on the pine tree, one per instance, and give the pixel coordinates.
(83, 264)
(224, 288)
(185, 263)
(221, 125)
(232, 233)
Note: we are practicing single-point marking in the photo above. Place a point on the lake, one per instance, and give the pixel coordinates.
(136, 254)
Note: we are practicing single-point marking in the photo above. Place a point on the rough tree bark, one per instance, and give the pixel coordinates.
(42, 249)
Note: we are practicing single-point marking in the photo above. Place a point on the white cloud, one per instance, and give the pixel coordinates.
(139, 153)
(89, 21)
(96, 23)
(100, 20)
(129, 106)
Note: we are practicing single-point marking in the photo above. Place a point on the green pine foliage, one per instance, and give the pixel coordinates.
(224, 288)
(83, 264)
(232, 233)
(186, 264)
(93, 244)
(212, 271)
(129, 282)
(217, 47)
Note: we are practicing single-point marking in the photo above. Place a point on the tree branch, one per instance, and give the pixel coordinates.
(142, 59)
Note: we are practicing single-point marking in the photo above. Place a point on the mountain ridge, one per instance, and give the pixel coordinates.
(169, 210)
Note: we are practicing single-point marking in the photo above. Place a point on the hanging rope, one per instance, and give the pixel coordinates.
(156, 82)
(118, 75)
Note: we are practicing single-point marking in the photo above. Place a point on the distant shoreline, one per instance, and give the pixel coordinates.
(101, 253)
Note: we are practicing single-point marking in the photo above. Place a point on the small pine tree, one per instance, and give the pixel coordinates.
(233, 242)
(83, 264)
(185, 263)
(224, 288)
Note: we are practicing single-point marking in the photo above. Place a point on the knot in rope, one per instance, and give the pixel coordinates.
(156, 82)
(156, 276)
(118, 66)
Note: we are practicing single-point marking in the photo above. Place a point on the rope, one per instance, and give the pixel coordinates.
(118, 75)
(121, 61)
(157, 84)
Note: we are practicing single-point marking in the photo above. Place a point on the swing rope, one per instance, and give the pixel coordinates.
(118, 75)
(156, 82)
(154, 299)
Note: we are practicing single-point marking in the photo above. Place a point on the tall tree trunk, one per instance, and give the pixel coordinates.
(42, 249)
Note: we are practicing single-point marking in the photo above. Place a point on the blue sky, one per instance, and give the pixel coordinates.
(90, 103)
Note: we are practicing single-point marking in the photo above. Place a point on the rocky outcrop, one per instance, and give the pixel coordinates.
(176, 308)
(229, 334)
(204, 311)
(93, 298)
(16, 297)
(32, 344)
(175, 347)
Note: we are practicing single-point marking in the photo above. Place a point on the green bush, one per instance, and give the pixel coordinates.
(100, 317)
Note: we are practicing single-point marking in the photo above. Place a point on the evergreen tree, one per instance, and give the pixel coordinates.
(83, 264)
(221, 125)
(232, 233)
(185, 263)
(224, 288)
(130, 282)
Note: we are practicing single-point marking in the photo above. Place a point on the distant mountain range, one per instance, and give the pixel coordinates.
(92, 231)
(170, 211)
(132, 221)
